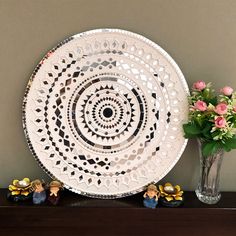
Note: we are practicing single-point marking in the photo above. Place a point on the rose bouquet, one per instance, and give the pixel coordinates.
(212, 118)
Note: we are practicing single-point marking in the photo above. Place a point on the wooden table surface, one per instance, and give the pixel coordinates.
(78, 215)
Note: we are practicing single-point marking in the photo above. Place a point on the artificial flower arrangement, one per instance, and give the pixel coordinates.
(212, 117)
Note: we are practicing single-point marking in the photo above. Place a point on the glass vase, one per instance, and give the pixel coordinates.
(208, 185)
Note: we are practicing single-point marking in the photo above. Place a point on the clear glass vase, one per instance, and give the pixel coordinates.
(208, 185)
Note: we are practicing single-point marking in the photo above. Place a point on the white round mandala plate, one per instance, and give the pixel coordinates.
(103, 113)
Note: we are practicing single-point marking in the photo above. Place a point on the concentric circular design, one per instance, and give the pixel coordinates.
(103, 113)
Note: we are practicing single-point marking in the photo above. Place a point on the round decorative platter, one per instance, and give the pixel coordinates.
(103, 113)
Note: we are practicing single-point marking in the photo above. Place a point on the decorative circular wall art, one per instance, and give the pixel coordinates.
(103, 113)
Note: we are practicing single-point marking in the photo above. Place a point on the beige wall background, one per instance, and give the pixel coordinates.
(199, 34)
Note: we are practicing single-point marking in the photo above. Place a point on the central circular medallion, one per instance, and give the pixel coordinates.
(107, 112)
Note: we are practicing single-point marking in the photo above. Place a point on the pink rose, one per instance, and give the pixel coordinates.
(234, 108)
(220, 122)
(227, 90)
(199, 85)
(221, 109)
(200, 105)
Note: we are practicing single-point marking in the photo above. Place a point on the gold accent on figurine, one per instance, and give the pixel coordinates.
(20, 187)
(170, 192)
(20, 190)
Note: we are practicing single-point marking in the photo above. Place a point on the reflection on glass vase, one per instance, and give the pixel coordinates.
(208, 186)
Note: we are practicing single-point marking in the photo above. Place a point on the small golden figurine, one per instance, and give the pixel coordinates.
(151, 196)
(54, 192)
(20, 190)
(39, 195)
(171, 196)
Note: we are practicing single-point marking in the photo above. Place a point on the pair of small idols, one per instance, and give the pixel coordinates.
(168, 196)
(36, 190)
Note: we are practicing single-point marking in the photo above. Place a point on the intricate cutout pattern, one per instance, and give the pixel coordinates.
(103, 113)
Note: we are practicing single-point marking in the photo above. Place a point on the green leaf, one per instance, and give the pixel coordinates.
(210, 148)
(191, 129)
(231, 143)
(213, 101)
(206, 93)
(199, 120)
(207, 130)
(190, 135)
(226, 147)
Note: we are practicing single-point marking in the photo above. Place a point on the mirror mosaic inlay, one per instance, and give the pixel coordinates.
(103, 113)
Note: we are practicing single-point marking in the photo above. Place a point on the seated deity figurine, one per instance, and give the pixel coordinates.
(39, 195)
(54, 192)
(151, 196)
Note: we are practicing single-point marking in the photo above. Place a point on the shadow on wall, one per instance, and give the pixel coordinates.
(186, 171)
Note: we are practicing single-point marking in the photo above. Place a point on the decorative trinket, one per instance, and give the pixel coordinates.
(212, 121)
(39, 195)
(93, 104)
(54, 192)
(171, 196)
(151, 196)
(20, 190)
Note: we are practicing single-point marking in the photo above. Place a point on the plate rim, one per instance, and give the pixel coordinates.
(82, 34)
